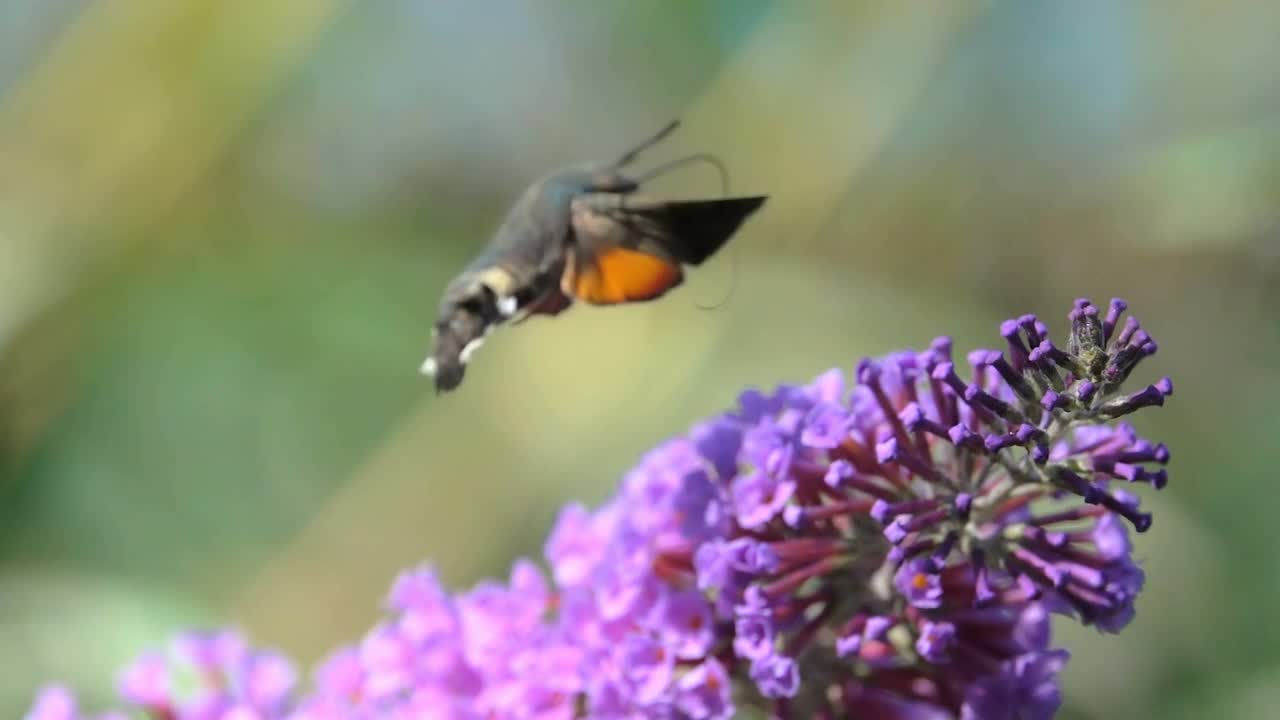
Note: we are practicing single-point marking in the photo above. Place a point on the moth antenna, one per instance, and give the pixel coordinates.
(713, 161)
(631, 154)
(733, 284)
(670, 165)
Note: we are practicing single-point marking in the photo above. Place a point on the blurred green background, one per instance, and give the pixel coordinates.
(224, 225)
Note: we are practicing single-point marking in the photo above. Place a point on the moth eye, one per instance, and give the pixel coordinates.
(479, 302)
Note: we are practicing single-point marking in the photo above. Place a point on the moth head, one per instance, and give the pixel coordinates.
(487, 294)
(471, 307)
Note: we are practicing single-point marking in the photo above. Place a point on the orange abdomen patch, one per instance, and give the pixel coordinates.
(619, 275)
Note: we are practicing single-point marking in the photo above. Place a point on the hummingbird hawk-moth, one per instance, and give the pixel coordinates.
(581, 233)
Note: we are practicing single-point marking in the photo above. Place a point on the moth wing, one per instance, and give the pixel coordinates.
(618, 253)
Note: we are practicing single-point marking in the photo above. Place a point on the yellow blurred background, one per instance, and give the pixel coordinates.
(224, 225)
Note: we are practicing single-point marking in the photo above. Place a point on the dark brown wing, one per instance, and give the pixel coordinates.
(628, 248)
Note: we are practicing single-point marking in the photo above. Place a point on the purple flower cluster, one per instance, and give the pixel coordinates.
(889, 549)
(229, 680)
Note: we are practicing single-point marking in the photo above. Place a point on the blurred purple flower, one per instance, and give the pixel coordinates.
(54, 702)
(889, 548)
(145, 683)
